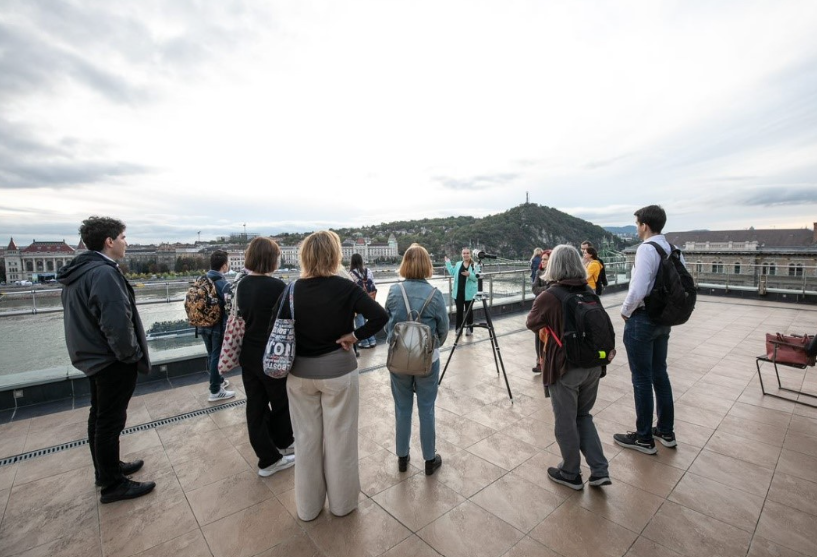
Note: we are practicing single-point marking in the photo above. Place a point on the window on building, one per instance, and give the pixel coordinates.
(772, 269)
(736, 270)
(699, 268)
(795, 269)
(717, 267)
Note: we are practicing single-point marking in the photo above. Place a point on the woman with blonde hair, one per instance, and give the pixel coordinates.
(416, 269)
(535, 262)
(323, 383)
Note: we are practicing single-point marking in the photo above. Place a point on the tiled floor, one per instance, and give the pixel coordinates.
(743, 480)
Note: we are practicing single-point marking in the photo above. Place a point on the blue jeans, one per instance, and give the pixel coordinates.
(646, 345)
(213, 337)
(403, 388)
(359, 322)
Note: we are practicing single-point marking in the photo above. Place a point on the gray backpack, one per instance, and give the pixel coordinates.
(411, 347)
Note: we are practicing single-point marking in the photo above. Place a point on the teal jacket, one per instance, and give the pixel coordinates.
(470, 280)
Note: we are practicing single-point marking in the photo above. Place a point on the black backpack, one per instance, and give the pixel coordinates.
(588, 336)
(673, 296)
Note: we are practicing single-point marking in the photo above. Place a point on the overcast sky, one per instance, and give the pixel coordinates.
(187, 116)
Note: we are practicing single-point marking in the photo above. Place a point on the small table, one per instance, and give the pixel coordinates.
(763, 358)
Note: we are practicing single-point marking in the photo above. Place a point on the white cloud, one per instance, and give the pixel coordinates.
(182, 116)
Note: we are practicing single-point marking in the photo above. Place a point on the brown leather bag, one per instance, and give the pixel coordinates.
(789, 349)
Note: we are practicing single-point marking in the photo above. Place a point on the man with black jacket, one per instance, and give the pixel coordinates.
(105, 340)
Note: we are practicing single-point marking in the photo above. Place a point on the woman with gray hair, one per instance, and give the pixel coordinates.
(572, 390)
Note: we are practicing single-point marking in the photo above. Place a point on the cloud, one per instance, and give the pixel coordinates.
(482, 182)
(772, 196)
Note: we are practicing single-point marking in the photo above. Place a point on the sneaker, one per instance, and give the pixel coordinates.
(555, 475)
(402, 462)
(285, 462)
(363, 343)
(224, 383)
(221, 395)
(667, 439)
(127, 469)
(536, 369)
(433, 465)
(288, 450)
(630, 440)
(127, 489)
(599, 481)
(468, 332)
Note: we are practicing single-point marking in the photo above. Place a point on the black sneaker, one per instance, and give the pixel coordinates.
(433, 465)
(667, 439)
(128, 489)
(599, 481)
(127, 469)
(402, 462)
(630, 440)
(536, 369)
(556, 475)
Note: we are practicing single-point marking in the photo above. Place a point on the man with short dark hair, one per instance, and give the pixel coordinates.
(646, 342)
(214, 336)
(105, 340)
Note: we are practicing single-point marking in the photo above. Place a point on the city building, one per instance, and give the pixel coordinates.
(38, 261)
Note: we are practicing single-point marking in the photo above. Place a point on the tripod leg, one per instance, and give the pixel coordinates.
(450, 354)
(497, 351)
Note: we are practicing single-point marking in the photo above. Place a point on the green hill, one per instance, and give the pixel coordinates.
(510, 235)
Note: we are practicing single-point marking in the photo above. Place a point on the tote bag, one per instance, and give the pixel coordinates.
(279, 354)
(233, 338)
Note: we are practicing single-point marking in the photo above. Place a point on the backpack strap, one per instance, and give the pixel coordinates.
(660, 250)
(408, 307)
(289, 291)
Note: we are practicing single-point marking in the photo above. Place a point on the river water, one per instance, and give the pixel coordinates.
(36, 342)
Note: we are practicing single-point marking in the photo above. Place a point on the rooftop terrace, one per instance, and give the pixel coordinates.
(743, 480)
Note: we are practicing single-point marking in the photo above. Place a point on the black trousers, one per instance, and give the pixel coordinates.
(462, 306)
(268, 419)
(111, 391)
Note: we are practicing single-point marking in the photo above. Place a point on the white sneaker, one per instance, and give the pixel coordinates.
(225, 383)
(289, 450)
(287, 461)
(222, 394)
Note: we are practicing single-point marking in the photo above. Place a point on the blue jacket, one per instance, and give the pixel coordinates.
(470, 281)
(435, 315)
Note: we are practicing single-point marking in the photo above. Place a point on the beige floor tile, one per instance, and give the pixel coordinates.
(366, 532)
(11, 445)
(411, 547)
(147, 526)
(137, 414)
(191, 544)
(167, 490)
(4, 498)
(803, 425)
(50, 421)
(681, 456)
(460, 431)
(230, 417)
(763, 415)
(57, 435)
(379, 472)
(15, 428)
(251, 531)
(644, 547)
(227, 496)
(737, 447)
(418, 500)
(762, 547)
(297, 546)
(794, 492)
(711, 498)
(754, 431)
(528, 547)
(236, 434)
(57, 463)
(220, 463)
(692, 533)
(195, 446)
(382, 432)
(155, 461)
(620, 503)
(466, 473)
(794, 464)
(470, 531)
(280, 481)
(532, 431)
(42, 511)
(698, 416)
(691, 434)
(194, 427)
(518, 502)
(572, 530)
(805, 444)
(644, 472)
(456, 402)
(733, 472)
(82, 543)
(137, 443)
(7, 474)
(503, 451)
(788, 527)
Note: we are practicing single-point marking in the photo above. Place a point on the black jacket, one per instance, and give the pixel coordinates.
(102, 325)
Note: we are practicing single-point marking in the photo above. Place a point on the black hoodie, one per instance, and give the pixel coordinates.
(102, 325)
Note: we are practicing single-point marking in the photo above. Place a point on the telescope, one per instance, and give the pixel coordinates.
(482, 255)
